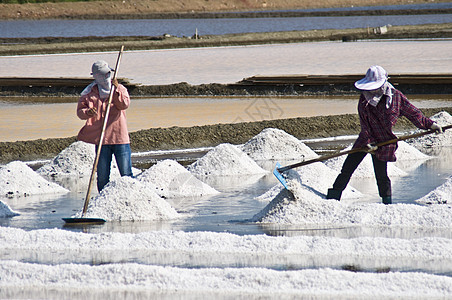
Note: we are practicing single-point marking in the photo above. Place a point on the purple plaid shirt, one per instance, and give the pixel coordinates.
(377, 122)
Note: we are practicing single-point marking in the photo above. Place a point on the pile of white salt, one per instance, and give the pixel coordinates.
(436, 140)
(171, 180)
(225, 160)
(17, 179)
(128, 199)
(440, 195)
(276, 144)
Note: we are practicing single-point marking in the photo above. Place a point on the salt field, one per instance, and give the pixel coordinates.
(224, 227)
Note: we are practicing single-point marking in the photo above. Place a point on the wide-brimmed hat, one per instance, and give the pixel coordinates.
(375, 77)
(100, 67)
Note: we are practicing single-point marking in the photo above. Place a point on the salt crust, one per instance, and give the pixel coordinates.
(274, 144)
(171, 180)
(440, 195)
(18, 179)
(309, 208)
(225, 160)
(436, 140)
(255, 283)
(127, 199)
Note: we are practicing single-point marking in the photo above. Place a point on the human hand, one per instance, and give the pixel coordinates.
(91, 112)
(437, 128)
(371, 148)
(115, 82)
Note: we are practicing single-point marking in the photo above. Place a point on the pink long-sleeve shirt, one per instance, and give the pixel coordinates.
(116, 131)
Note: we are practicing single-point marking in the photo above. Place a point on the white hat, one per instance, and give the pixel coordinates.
(100, 67)
(375, 77)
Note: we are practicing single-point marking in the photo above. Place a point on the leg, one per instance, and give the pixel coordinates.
(123, 156)
(103, 166)
(383, 181)
(351, 163)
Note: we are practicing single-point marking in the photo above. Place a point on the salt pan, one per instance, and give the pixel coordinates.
(306, 207)
(436, 140)
(171, 179)
(225, 160)
(440, 195)
(18, 179)
(127, 199)
(276, 144)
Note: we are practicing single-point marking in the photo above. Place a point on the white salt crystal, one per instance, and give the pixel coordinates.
(440, 195)
(276, 144)
(127, 199)
(6, 211)
(18, 179)
(171, 179)
(225, 160)
(306, 207)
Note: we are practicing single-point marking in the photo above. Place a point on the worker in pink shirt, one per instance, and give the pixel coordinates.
(91, 107)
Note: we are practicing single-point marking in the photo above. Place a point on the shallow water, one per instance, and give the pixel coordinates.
(36, 118)
(230, 210)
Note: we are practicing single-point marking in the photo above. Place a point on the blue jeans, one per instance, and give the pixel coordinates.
(123, 158)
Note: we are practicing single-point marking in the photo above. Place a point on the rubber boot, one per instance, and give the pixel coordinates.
(334, 194)
(387, 200)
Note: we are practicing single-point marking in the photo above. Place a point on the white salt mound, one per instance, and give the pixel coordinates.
(225, 160)
(171, 179)
(436, 140)
(127, 199)
(76, 160)
(272, 143)
(365, 168)
(6, 211)
(18, 179)
(440, 195)
(308, 208)
(407, 152)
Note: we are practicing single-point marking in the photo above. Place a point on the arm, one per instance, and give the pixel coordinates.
(364, 137)
(413, 114)
(121, 98)
(85, 108)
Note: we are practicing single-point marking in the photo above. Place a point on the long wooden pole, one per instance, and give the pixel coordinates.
(104, 125)
(363, 149)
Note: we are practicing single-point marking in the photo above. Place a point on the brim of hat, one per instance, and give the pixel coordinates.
(365, 85)
(104, 71)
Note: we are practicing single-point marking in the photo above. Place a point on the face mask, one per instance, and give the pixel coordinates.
(103, 82)
(374, 96)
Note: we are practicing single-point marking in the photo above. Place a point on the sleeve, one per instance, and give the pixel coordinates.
(364, 135)
(121, 98)
(414, 114)
(82, 107)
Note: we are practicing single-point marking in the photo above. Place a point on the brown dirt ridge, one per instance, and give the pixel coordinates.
(161, 8)
(205, 136)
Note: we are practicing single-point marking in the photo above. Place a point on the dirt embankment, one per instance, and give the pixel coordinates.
(203, 136)
(117, 9)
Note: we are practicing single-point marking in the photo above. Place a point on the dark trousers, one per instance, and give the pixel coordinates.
(351, 163)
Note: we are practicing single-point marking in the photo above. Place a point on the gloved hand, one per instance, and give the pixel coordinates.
(115, 82)
(371, 148)
(91, 112)
(437, 128)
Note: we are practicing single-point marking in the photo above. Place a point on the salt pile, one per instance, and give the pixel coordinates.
(76, 161)
(18, 179)
(365, 168)
(127, 199)
(6, 211)
(225, 160)
(171, 179)
(436, 140)
(309, 208)
(440, 195)
(272, 143)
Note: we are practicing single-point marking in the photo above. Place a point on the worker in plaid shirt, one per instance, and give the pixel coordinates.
(379, 107)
